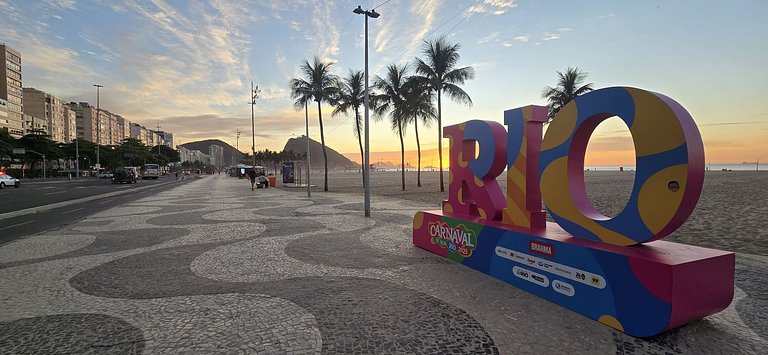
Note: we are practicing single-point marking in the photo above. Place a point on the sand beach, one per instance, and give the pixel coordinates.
(730, 215)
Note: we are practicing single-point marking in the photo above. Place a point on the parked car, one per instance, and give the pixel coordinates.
(7, 180)
(121, 175)
(104, 174)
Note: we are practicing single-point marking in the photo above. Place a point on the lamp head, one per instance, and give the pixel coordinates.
(373, 14)
(359, 10)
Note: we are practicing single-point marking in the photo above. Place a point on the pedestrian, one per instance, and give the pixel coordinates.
(177, 175)
(252, 176)
(263, 182)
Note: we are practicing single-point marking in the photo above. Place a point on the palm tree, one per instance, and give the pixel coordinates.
(419, 109)
(392, 100)
(442, 75)
(568, 87)
(321, 86)
(350, 96)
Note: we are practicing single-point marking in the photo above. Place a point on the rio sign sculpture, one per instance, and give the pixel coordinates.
(614, 270)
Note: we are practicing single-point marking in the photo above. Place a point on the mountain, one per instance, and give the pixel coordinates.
(230, 153)
(336, 161)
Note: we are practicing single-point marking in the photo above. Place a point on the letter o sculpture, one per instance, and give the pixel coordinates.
(669, 161)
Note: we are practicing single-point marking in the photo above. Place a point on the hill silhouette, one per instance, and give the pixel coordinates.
(231, 154)
(336, 161)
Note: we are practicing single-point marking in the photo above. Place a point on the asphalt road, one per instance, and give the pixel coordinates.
(39, 206)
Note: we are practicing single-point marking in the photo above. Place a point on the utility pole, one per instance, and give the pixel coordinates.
(254, 96)
(237, 143)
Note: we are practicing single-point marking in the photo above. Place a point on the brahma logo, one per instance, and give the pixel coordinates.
(542, 248)
(459, 239)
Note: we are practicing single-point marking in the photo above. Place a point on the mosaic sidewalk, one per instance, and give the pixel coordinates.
(212, 267)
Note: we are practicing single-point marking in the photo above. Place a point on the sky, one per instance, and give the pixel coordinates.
(187, 65)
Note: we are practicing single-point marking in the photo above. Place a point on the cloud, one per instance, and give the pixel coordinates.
(564, 29)
(507, 44)
(57, 17)
(522, 38)
(64, 4)
(488, 38)
(54, 66)
(421, 16)
(326, 34)
(496, 7)
(551, 36)
(271, 128)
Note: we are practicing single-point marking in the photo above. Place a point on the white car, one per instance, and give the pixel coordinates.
(7, 180)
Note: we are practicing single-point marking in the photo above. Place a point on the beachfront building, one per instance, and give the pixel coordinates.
(124, 127)
(3, 114)
(70, 124)
(138, 132)
(51, 108)
(34, 124)
(113, 130)
(11, 92)
(193, 155)
(216, 154)
(167, 138)
(85, 117)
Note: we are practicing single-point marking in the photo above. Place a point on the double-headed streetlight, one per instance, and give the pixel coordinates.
(254, 95)
(366, 166)
(98, 124)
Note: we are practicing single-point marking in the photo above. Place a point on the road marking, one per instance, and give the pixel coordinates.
(57, 192)
(105, 202)
(70, 211)
(16, 225)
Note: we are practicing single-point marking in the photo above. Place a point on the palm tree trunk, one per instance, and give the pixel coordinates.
(360, 142)
(402, 153)
(418, 150)
(440, 139)
(322, 141)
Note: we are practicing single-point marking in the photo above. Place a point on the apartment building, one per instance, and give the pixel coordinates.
(70, 124)
(11, 91)
(124, 127)
(34, 124)
(85, 118)
(192, 156)
(216, 153)
(52, 108)
(167, 138)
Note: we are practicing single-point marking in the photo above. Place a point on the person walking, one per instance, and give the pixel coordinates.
(252, 176)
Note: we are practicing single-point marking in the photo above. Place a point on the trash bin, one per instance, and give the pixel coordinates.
(272, 181)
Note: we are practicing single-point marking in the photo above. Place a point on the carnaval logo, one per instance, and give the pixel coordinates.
(458, 239)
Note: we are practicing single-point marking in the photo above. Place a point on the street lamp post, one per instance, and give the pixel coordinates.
(98, 124)
(254, 96)
(77, 157)
(366, 166)
(309, 170)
